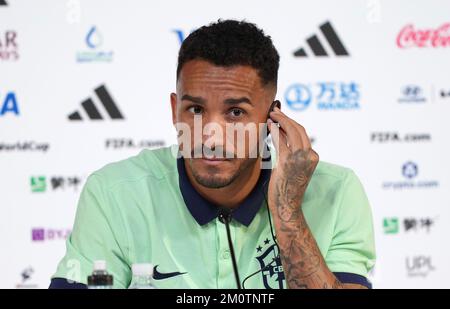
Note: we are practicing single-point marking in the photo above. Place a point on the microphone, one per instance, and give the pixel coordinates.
(225, 216)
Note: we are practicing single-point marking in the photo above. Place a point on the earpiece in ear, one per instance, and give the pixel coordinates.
(277, 104)
(274, 104)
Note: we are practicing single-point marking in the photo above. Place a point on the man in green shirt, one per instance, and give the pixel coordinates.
(218, 219)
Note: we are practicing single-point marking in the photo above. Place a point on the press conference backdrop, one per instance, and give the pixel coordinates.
(85, 83)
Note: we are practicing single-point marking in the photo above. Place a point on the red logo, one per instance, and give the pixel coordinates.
(411, 37)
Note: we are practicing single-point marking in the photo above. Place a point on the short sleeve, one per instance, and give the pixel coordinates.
(352, 248)
(98, 234)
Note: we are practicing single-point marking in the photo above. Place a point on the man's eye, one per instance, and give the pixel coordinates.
(195, 110)
(236, 112)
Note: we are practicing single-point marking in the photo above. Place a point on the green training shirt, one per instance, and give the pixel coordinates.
(145, 210)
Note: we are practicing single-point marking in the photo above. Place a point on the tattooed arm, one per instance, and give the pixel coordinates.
(303, 264)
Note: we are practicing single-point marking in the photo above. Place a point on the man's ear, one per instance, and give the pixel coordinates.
(173, 104)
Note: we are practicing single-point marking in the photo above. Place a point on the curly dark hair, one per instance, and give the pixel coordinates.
(231, 42)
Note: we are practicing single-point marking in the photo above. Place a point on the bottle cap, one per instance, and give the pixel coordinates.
(142, 269)
(100, 265)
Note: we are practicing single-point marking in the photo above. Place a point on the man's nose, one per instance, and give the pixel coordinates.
(214, 131)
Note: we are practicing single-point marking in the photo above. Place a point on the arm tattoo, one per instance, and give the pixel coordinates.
(303, 264)
(291, 187)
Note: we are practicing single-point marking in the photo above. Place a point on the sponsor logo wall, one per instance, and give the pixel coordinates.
(86, 83)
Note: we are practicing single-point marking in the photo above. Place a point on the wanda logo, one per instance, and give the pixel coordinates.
(412, 37)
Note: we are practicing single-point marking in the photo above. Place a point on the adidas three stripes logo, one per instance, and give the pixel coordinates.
(317, 47)
(93, 112)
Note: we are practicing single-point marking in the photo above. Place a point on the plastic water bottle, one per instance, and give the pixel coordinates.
(100, 279)
(142, 276)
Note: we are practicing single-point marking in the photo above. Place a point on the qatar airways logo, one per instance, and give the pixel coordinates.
(410, 37)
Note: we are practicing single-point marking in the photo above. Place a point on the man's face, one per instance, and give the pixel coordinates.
(220, 97)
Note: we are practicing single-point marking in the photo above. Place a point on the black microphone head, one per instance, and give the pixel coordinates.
(224, 214)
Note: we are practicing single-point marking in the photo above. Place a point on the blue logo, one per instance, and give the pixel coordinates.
(324, 95)
(298, 97)
(410, 170)
(9, 104)
(180, 35)
(94, 38)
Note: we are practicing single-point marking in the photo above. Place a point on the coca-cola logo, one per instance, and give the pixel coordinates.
(411, 37)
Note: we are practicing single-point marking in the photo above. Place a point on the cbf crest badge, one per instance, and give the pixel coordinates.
(272, 271)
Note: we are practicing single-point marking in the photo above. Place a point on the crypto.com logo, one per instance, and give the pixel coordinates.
(208, 142)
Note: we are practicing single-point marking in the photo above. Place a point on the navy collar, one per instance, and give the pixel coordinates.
(204, 211)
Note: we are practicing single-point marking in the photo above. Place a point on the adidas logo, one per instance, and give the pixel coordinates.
(445, 93)
(91, 110)
(318, 48)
